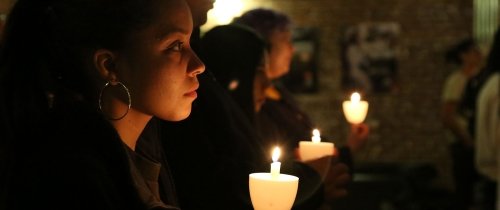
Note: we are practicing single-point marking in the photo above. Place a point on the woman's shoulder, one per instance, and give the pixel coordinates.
(456, 78)
(83, 163)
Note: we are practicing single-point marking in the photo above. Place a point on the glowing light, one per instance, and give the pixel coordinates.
(225, 10)
(275, 165)
(355, 97)
(316, 136)
(276, 154)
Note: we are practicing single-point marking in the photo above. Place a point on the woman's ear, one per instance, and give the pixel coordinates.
(104, 62)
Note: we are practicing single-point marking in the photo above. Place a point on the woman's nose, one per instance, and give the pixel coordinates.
(195, 65)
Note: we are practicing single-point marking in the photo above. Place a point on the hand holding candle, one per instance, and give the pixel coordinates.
(314, 149)
(355, 110)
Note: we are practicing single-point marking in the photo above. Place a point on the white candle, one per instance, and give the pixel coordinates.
(275, 166)
(314, 149)
(355, 110)
(273, 191)
(268, 193)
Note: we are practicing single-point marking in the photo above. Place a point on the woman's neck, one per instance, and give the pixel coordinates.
(131, 126)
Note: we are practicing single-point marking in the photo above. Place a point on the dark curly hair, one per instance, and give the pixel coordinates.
(454, 53)
(233, 53)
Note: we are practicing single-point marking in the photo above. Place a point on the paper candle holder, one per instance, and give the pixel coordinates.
(273, 193)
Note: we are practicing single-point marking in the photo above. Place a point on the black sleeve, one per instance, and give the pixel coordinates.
(345, 156)
(69, 185)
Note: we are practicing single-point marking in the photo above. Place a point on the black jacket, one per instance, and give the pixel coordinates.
(212, 153)
(75, 161)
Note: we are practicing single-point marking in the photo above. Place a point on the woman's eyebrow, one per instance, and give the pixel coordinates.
(166, 32)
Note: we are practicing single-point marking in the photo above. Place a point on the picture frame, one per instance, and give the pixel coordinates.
(303, 74)
(369, 57)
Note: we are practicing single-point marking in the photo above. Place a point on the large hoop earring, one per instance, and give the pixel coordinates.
(128, 95)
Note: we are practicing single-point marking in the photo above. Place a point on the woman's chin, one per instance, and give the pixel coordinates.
(178, 116)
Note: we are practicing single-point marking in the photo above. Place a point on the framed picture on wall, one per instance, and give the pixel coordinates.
(369, 61)
(303, 75)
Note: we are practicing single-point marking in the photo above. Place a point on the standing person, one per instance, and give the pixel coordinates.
(454, 115)
(79, 81)
(281, 117)
(487, 133)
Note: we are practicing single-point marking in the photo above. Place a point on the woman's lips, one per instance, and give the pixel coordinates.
(191, 94)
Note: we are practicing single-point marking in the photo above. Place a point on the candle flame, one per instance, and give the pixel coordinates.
(316, 136)
(315, 132)
(276, 154)
(355, 97)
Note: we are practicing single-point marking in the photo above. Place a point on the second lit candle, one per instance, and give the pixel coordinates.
(314, 149)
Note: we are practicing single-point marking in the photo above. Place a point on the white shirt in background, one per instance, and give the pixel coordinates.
(488, 131)
(453, 91)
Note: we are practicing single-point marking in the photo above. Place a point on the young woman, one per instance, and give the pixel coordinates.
(224, 148)
(281, 117)
(80, 79)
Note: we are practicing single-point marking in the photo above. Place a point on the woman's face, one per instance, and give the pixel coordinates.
(159, 67)
(261, 83)
(280, 54)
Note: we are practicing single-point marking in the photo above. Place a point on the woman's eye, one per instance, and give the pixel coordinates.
(177, 46)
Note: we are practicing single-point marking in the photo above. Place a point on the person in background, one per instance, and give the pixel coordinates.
(79, 81)
(487, 133)
(281, 121)
(239, 65)
(468, 59)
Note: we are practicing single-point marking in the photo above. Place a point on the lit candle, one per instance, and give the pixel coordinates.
(314, 149)
(275, 166)
(316, 138)
(355, 110)
(273, 191)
